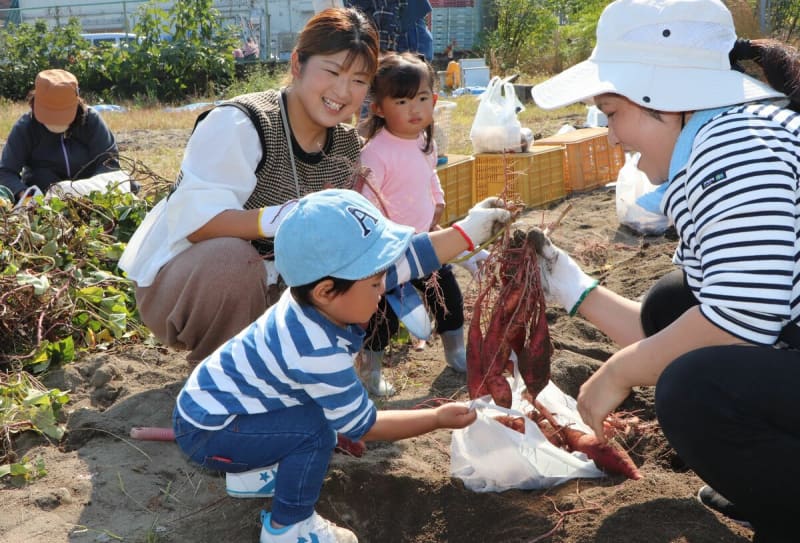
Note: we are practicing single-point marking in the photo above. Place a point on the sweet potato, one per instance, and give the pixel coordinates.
(515, 423)
(475, 383)
(534, 360)
(476, 348)
(499, 389)
(516, 321)
(609, 457)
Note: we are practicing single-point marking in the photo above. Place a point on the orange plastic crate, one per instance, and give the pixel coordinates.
(546, 178)
(498, 174)
(589, 160)
(535, 178)
(456, 179)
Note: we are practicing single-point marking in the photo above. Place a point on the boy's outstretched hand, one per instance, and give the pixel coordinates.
(455, 415)
(394, 424)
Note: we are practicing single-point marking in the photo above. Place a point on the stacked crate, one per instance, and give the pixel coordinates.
(456, 179)
(589, 160)
(546, 175)
(534, 178)
(499, 174)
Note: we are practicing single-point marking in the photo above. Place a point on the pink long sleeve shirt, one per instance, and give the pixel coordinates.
(405, 179)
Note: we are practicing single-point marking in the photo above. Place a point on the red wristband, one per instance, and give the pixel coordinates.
(470, 245)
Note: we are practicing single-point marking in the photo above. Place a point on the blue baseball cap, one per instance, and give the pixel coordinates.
(336, 233)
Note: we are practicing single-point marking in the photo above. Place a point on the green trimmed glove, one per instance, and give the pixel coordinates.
(563, 281)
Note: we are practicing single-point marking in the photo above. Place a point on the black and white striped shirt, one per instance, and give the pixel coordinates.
(735, 205)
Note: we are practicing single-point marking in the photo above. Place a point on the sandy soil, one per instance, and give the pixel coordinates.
(102, 486)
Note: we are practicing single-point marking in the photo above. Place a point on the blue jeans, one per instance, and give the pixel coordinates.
(299, 438)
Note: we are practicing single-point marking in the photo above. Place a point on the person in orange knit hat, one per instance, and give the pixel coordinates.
(60, 139)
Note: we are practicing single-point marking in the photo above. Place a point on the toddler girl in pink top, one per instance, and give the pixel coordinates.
(401, 155)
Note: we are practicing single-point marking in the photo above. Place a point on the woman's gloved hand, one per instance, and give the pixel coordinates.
(482, 219)
(269, 218)
(563, 281)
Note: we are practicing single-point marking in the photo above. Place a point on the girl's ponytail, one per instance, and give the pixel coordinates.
(780, 63)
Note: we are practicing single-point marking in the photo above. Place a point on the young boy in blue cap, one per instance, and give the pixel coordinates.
(266, 407)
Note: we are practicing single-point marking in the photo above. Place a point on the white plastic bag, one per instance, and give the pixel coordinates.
(595, 117)
(102, 182)
(496, 128)
(490, 457)
(631, 184)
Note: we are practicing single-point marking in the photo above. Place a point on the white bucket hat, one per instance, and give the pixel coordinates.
(666, 55)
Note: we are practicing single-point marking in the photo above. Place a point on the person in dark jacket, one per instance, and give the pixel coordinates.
(415, 36)
(60, 139)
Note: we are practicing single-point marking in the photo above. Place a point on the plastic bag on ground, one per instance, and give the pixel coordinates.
(631, 184)
(102, 182)
(490, 457)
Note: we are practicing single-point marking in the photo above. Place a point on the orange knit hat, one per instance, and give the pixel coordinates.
(56, 97)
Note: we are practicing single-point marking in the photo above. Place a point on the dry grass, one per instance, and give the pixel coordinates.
(149, 119)
(744, 19)
(133, 119)
(156, 137)
(153, 136)
(155, 148)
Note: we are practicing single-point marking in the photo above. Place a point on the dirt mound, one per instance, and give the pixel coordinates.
(101, 486)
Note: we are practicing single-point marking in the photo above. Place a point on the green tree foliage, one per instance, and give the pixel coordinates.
(547, 36)
(184, 51)
(577, 38)
(196, 59)
(783, 19)
(533, 36)
(27, 49)
(519, 25)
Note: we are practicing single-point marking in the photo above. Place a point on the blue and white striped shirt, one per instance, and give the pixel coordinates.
(736, 207)
(292, 355)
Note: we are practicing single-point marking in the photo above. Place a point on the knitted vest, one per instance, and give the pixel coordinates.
(334, 167)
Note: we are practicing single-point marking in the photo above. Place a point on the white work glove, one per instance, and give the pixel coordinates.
(481, 220)
(26, 199)
(473, 263)
(270, 217)
(563, 281)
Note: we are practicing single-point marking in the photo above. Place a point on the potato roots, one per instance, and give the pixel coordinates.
(509, 315)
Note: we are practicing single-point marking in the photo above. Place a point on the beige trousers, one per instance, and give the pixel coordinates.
(206, 295)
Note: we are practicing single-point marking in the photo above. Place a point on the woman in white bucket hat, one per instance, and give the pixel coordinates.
(719, 336)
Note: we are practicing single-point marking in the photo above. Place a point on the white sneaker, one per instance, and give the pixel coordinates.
(256, 483)
(314, 528)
